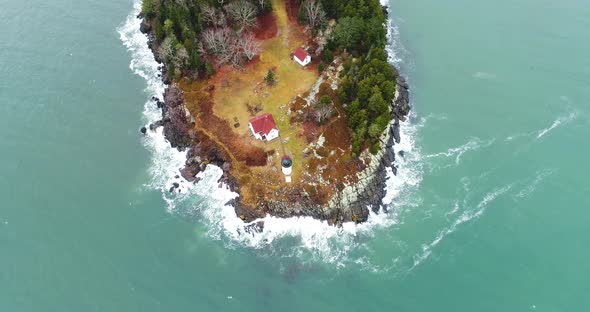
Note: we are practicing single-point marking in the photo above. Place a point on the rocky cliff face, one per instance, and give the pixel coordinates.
(353, 203)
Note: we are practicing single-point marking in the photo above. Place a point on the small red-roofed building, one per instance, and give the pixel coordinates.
(264, 128)
(301, 57)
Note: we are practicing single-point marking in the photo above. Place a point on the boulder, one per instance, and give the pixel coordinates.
(156, 125)
(173, 96)
(189, 173)
(145, 27)
(143, 130)
(396, 134)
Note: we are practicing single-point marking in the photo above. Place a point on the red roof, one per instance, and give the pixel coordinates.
(263, 124)
(301, 54)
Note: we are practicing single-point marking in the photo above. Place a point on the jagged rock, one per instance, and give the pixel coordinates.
(189, 173)
(173, 96)
(395, 133)
(390, 155)
(143, 130)
(145, 27)
(156, 124)
(165, 78)
(401, 81)
(390, 141)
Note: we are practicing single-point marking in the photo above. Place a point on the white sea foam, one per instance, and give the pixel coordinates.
(206, 198)
(530, 187)
(458, 152)
(484, 76)
(556, 123)
(409, 166)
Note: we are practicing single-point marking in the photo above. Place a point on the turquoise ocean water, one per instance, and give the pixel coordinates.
(489, 211)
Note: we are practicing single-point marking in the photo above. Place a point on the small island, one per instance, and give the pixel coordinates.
(294, 100)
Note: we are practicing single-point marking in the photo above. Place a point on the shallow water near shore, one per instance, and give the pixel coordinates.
(487, 212)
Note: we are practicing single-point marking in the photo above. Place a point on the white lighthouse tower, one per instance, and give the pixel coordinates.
(287, 167)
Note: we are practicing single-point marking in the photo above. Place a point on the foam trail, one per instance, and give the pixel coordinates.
(466, 216)
(458, 152)
(556, 123)
(531, 187)
(484, 76)
(315, 238)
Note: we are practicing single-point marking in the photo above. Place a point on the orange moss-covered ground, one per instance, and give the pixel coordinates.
(266, 26)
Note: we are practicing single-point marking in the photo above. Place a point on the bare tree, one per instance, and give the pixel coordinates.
(181, 58)
(166, 49)
(243, 13)
(221, 19)
(230, 47)
(249, 46)
(314, 13)
(213, 16)
(217, 41)
(209, 14)
(323, 113)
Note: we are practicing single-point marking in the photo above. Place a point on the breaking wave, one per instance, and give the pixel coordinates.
(301, 236)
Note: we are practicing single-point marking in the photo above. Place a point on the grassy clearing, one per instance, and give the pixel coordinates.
(234, 89)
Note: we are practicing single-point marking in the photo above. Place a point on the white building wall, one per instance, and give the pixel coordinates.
(273, 134)
(306, 61)
(256, 135)
(287, 171)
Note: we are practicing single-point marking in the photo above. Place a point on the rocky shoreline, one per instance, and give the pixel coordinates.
(351, 204)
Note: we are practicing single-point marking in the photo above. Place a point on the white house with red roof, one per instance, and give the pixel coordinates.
(263, 127)
(301, 57)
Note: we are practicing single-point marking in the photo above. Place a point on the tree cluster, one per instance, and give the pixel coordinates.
(312, 13)
(368, 80)
(191, 34)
